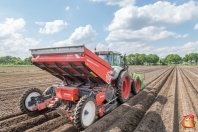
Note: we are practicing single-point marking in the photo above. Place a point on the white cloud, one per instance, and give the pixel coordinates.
(161, 13)
(40, 23)
(12, 41)
(134, 28)
(101, 47)
(81, 35)
(196, 26)
(121, 3)
(135, 47)
(53, 27)
(11, 26)
(181, 50)
(123, 47)
(67, 8)
(146, 34)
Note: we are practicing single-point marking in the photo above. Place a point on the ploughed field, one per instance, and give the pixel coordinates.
(170, 93)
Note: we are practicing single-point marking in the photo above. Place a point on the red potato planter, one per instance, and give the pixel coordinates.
(92, 83)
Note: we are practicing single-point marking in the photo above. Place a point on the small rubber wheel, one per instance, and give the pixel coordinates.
(84, 113)
(123, 86)
(26, 97)
(136, 84)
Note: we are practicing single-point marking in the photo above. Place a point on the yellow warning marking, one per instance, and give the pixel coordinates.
(93, 74)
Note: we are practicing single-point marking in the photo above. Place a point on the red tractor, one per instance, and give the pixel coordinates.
(93, 83)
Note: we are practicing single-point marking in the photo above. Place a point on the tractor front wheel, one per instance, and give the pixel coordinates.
(124, 87)
(136, 84)
(26, 97)
(84, 113)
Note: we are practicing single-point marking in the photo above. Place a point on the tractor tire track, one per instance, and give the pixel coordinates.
(156, 116)
(26, 76)
(186, 105)
(24, 125)
(191, 91)
(17, 118)
(23, 86)
(49, 125)
(148, 70)
(66, 128)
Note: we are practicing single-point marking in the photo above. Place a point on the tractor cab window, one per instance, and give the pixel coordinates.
(116, 60)
(106, 57)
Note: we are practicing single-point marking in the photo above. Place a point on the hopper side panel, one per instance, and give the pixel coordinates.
(99, 66)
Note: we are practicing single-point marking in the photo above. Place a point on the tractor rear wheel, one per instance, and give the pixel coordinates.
(84, 113)
(136, 84)
(123, 86)
(26, 97)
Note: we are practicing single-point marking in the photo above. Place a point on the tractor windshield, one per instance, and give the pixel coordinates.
(116, 60)
(113, 59)
(106, 57)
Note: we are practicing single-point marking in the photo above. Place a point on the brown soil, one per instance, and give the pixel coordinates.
(170, 93)
(152, 120)
(18, 69)
(66, 128)
(13, 85)
(49, 125)
(27, 124)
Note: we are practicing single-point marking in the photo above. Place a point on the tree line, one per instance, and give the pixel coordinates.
(141, 59)
(132, 59)
(10, 60)
(152, 59)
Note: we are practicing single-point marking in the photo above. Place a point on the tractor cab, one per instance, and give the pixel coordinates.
(112, 57)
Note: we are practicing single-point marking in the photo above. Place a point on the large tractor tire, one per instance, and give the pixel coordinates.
(26, 97)
(84, 113)
(123, 86)
(136, 85)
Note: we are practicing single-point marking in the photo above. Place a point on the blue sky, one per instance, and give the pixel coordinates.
(128, 26)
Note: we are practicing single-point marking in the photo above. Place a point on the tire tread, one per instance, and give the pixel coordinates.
(121, 77)
(24, 96)
(77, 111)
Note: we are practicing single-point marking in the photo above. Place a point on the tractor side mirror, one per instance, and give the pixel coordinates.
(125, 62)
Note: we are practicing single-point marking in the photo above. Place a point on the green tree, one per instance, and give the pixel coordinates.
(185, 58)
(133, 59)
(192, 57)
(152, 58)
(27, 61)
(130, 59)
(142, 58)
(196, 58)
(177, 59)
(162, 61)
(10, 60)
(173, 58)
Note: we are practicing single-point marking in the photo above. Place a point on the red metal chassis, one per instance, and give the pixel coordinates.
(76, 67)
